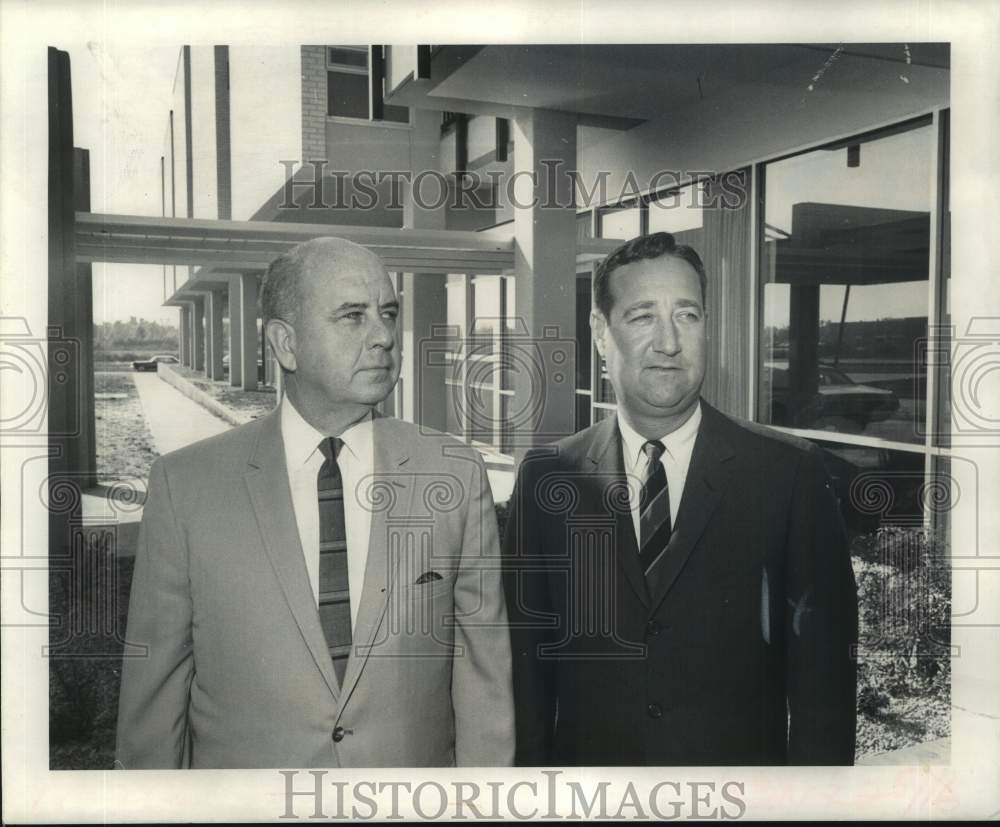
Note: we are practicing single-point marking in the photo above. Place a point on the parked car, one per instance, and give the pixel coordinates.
(837, 396)
(152, 362)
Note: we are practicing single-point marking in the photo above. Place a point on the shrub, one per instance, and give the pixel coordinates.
(88, 603)
(904, 608)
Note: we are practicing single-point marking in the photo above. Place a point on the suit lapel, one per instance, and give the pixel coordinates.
(389, 493)
(605, 455)
(706, 479)
(267, 482)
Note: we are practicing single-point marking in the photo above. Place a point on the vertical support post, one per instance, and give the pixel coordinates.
(185, 335)
(246, 303)
(198, 334)
(425, 296)
(84, 461)
(235, 329)
(63, 363)
(545, 268)
(803, 348)
(213, 344)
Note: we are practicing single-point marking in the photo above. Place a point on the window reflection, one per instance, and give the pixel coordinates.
(844, 271)
(876, 486)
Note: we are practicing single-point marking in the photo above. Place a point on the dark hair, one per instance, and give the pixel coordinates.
(650, 246)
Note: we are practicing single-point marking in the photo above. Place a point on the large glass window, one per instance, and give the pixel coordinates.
(877, 486)
(680, 213)
(621, 222)
(347, 86)
(844, 275)
(481, 316)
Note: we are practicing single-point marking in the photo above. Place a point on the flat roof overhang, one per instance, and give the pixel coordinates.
(225, 247)
(240, 246)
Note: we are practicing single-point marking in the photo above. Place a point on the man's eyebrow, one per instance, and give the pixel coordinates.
(646, 305)
(351, 306)
(393, 305)
(639, 306)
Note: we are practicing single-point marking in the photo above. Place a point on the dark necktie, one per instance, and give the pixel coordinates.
(334, 592)
(654, 508)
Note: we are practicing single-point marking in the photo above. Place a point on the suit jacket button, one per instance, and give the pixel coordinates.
(338, 734)
(653, 628)
(654, 711)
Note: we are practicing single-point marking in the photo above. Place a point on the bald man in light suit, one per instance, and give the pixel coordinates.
(320, 587)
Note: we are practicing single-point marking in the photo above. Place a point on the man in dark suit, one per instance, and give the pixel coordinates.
(678, 582)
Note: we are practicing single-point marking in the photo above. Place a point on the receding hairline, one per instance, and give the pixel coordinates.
(294, 271)
(333, 252)
(660, 259)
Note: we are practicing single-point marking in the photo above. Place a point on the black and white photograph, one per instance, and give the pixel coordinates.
(541, 413)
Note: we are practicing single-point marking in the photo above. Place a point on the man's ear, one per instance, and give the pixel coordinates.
(281, 337)
(598, 327)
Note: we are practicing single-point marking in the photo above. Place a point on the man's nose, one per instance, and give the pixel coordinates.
(382, 334)
(666, 339)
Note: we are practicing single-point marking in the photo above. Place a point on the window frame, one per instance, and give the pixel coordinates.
(332, 67)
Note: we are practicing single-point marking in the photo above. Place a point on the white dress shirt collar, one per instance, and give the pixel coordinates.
(302, 439)
(678, 443)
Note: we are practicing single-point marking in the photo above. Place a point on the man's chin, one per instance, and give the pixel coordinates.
(667, 405)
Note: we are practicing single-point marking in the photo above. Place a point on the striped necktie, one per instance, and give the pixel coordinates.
(654, 508)
(334, 592)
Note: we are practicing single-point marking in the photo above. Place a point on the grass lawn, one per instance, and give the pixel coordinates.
(125, 447)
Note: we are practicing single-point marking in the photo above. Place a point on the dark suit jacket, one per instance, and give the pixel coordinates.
(738, 653)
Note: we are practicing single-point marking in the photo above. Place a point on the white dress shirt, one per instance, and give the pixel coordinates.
(356, 460)
(676, 460)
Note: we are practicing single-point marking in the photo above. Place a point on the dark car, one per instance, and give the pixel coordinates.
(152, 362)
(837, 396)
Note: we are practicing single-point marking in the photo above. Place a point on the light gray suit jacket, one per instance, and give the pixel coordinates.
(237, 672)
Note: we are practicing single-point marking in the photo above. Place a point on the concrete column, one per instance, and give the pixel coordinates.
(545, 268)
(213, 336)
(84, 461)
(425, 397)
(64, 369)
(198, 334)
(243, 331)
(235, 341)
(185, 335)
(425, 306)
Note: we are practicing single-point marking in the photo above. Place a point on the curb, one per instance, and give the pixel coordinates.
(192, 392)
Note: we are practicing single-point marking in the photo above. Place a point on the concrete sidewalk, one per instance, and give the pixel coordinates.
(172, 418)
(174, 421)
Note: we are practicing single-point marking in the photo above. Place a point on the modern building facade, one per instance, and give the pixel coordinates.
(813, 179)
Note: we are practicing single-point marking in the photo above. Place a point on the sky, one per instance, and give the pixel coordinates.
(121, 97)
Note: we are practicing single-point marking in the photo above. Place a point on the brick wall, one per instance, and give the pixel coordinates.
(313, 103)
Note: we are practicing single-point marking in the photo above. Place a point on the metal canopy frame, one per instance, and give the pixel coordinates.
(252, 245)
(224, 247)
